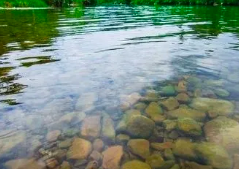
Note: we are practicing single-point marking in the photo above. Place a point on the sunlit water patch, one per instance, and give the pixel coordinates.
(119, 87)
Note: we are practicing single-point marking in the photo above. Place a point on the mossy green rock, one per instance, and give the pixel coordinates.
(153, 109)
(221, 92)
(214, 83)
(175, 166)
(122, 125)
(214, 155)
(183, 148)
(223, 131)
(168, 154)
(220, 107)
(233, 77)
(170, 104)
(170, 125)
(182, 112)
(167, 164)
(140, 126)
(189, 127)
(194, 82)
(135, 164)
(155, 160)
(140, 106)
(168, 90)
(139, 147)
(193, 165)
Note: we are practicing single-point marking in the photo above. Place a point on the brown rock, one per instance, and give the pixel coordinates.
(162, 146)
(51, 163)
(182, 86)
(98, 145)
(112, 157)
(65, 165)
(92, 165)
(53, 135)
(80, 149)
(236, 161)
(91, 127)
(24, 164)
(139, 147)
(183, 98)
(95, 156)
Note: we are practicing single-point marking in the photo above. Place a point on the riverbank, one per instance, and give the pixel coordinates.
(60, 3)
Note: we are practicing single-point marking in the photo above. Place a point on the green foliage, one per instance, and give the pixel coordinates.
(23, 3)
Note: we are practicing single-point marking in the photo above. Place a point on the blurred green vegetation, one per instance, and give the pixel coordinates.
(65, 3)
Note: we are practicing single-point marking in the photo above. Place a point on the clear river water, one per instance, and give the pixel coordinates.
(145, 80)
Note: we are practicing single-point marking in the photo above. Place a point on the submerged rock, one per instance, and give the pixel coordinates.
(236, 161)
(98, 145)
(129, 100)
(189, 127)
(139, 147)
(86, 101)
(108, 131)
(170, 125)
(51, 163)
(220, 107)
(53, 135)
(233, 77)
(168, 154)
(162, 146)
(168, 90)
(153, 109)
(112, 157)
(151, 95)
(140, 126)
(135, 164)
(80, 149)
(184, 149)
(193, 165)
(10, 140)
(140, 106)
(182, 86)
(65, 165)
(223, 131)
(24, 164)
(183, 98)
(184, 112)
(155, 160)
(65, 143)
(214, 155)
(122, 125)
(206, 153)
(122, 138)
(222, 92)
(170, 104)
(95, 156)
(91, 127)
(92, 165)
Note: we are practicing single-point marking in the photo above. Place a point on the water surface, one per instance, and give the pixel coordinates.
(58, 61)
